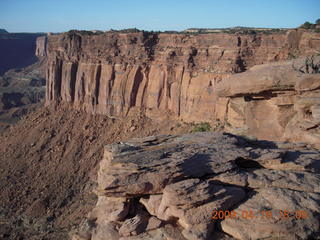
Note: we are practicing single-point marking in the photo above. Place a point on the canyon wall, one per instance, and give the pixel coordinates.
(41, 47)
(273, 101)
(177, 74)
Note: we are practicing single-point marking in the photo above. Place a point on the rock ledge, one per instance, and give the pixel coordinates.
(205, 186)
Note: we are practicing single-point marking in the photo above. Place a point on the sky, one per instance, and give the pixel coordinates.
(162, 15)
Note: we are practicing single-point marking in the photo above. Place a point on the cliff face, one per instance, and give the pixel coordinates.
(273, 101)
(161, 73)
(41, 47)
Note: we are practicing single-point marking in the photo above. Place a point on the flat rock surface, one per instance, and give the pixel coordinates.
(263, 178)
(208, 186)
(148, 165)
(294, 215)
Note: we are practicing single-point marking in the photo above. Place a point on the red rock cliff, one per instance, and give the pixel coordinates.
(41, 44)
(112, 73)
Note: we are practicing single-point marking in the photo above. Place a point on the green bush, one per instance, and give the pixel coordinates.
(308, 25)
(202, 127)
(82, 32)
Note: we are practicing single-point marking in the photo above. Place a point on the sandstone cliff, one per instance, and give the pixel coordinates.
(41, 46)
(273, 101)
(112, 72)
(176, 74)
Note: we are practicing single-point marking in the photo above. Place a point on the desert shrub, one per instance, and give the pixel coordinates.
(130, 30)
(311, 66)
(292, 56)
(202, 127)
(83, 32)
(306, 25)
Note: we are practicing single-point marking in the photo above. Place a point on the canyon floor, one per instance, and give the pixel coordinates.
(21, 91)
(47, 160)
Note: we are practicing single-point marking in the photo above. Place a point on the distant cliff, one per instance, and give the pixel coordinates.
(17, 50)
(112, 73)
(41, 47)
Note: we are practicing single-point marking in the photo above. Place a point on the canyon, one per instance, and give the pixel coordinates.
(22, 76)
(17, 50)
(115, 153)
(260, 86)
(179, 75)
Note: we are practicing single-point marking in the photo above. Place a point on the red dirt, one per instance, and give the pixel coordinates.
(46, 162)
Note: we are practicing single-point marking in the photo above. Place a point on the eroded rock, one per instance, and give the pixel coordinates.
(106, 230)
(274, 101)
(190, 187)
(112, 73)
(147, 167)
(140, 223)
(265, 178)
(167, 232)
(280, 226)
(110, 209)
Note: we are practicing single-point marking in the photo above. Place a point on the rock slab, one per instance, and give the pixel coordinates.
(204, 185)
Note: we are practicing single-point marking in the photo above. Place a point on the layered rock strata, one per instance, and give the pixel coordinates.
(111, 73)
(273, 101)
(41, 47)
(205, 186)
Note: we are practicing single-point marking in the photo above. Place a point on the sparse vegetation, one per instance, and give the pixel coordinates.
(292, 56)
(202, 127)
(218, 126)
(234, 30)
(84, 32)
(191, 31)
(310, 66)
(127, 30)
(197, 31)
(309, 25)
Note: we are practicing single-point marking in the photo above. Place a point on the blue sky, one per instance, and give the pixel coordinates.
(63, 15)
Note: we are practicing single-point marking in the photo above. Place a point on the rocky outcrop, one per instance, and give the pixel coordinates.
(274, 101)
(205, 186)
(111, 73)
(41, 47)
